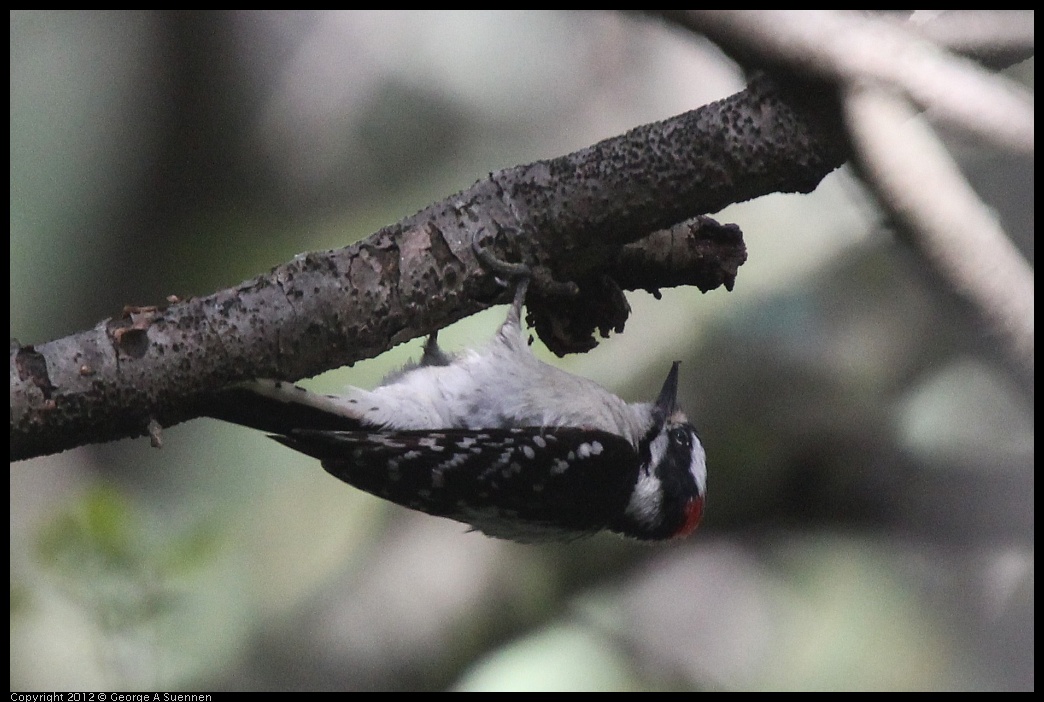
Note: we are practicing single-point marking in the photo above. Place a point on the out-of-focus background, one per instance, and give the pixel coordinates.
(870, 514)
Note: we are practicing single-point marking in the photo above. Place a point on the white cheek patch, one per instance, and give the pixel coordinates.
(647, 497)
(698, 466)
(644, 506)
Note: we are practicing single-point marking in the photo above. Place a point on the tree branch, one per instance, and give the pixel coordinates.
(845, 47)
(921, 185)
(597, 217)
(322, 310)
(886, 70)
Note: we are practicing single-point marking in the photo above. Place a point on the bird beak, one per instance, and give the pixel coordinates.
(668, 398)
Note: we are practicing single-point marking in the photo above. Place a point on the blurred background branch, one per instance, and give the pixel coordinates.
(886, 71)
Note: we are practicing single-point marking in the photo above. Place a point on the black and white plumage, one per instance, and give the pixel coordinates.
(499, 440)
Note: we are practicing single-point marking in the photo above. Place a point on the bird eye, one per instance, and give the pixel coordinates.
(680, 436)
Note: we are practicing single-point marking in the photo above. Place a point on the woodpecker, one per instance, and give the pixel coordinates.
(499, 440)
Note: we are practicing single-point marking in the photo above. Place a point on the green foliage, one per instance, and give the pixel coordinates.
(101, 556)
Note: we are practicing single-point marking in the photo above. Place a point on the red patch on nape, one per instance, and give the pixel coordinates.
(693, 514)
